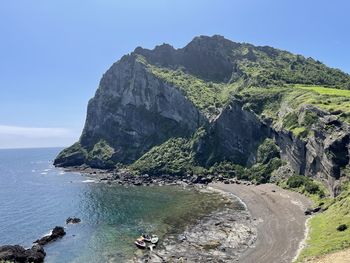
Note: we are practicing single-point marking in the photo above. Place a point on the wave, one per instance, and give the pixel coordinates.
(89, 181)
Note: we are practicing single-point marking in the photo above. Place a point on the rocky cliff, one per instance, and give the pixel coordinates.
(235, 94)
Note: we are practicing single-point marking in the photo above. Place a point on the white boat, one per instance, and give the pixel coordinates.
(140, 243)
(146, 237)
(154, 239)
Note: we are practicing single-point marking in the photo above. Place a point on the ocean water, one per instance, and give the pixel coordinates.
(35, 197)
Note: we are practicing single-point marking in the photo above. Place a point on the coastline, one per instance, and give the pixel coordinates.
(221, 236)
(281, 223)
(302, 243)
(274, 218)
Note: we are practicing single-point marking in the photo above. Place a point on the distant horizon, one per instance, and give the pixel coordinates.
(33, 148)
(55, 53)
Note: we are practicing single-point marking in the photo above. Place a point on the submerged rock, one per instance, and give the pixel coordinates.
(73, 220)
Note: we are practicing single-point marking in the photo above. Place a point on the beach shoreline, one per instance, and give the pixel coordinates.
(281, 228)
(221, 236)
(275, 218)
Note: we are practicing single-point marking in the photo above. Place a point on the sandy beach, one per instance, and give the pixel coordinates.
(280, 221)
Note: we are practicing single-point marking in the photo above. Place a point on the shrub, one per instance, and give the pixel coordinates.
(342, 227)
(307, 185)
(296, 181)
(267, 151)
(312, 188)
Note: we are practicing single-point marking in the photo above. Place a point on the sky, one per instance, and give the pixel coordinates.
(53, 53)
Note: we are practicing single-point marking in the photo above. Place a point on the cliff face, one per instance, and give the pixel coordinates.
(237, 133)
(324, 154)
(131, 112)
(151, 96)
(234, 136)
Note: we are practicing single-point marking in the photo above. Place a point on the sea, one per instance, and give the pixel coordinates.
(35, 197)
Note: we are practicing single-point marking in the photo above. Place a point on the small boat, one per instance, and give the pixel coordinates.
(146, 237)
(140, 243)
(154, 239)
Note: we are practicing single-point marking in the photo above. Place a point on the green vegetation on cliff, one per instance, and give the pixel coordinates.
(286, 106)
(209, 71)
(101, 155)
(206, 96)
(325, 234)
(305, 185)
(269, 66)
(177, 157)
(172, 157)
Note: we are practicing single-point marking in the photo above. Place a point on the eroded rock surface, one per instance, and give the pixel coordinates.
(219, 237)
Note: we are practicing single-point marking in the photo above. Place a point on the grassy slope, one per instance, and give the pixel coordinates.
(324, 237)
(329, 99)
(206, 96)
(288, 100)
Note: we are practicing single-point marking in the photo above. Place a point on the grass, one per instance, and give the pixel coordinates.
(208, 97)
(324, 237)
(329, 99)
(325, 91)
(282, 105)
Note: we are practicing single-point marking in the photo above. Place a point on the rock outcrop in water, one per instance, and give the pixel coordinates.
(16, 253)
(56, 233)
(151, 96)
(35, 254)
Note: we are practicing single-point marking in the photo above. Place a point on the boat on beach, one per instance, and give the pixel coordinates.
(146, 237)
(140, 243)
(154, 239)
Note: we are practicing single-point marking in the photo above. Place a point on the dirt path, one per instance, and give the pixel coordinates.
(337, 257)
(280, 221)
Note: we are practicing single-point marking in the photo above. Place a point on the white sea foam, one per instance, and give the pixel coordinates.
(89, 181)
(43, 173)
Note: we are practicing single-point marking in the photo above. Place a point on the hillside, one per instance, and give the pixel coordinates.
(151, 96)
(222, 100)
(226, 109)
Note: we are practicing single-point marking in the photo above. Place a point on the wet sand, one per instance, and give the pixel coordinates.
(280, 221)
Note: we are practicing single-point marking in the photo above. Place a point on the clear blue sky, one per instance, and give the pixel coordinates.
(53, 53)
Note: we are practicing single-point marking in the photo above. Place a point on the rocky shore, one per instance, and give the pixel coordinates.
(124, 177)
(233, 233)
(218, 237)
(248, 234)
(35, 254)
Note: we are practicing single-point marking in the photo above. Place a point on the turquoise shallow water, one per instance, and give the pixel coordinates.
(35, 197)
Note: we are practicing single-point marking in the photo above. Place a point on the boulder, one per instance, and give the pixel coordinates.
(36, 254)
(73, 220)
(16, 253)
(57, 232)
